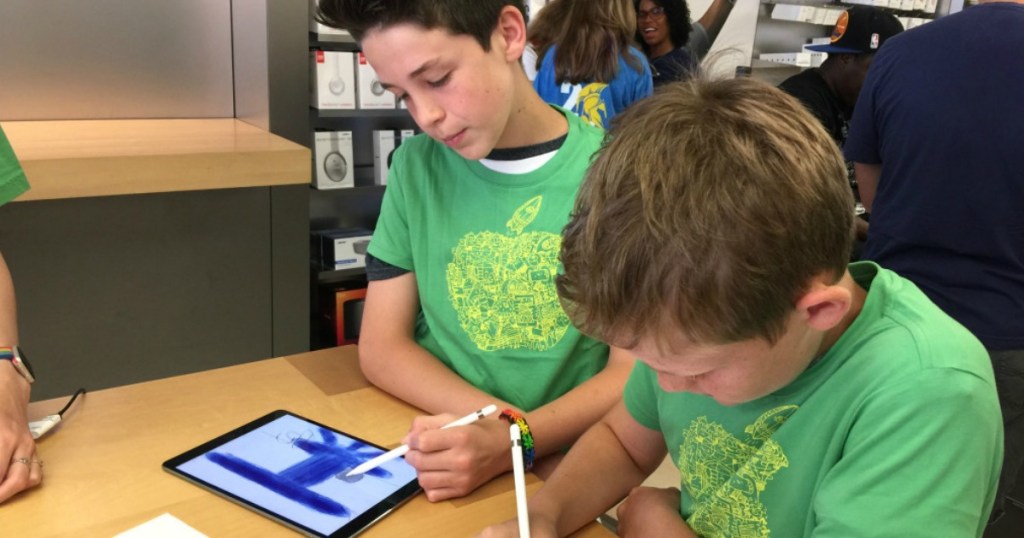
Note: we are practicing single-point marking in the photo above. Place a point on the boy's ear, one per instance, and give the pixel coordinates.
(825, 306)
(511, 30)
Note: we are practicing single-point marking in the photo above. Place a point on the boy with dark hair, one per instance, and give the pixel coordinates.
(798, 396)
(461, 309)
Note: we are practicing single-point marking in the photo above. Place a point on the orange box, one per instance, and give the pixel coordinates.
(348, 314)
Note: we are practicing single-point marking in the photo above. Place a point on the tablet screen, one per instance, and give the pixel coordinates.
(293, 470)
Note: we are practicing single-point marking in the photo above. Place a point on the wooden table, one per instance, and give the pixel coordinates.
(103, 462)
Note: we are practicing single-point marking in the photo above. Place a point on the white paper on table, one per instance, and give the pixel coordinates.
(163, 526)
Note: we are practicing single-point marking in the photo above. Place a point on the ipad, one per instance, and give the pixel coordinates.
(292, 469)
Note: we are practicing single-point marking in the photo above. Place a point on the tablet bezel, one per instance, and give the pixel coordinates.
(350, 529)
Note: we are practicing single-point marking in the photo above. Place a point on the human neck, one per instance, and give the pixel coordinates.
(830, 71)
(661, 49)
(531, 120)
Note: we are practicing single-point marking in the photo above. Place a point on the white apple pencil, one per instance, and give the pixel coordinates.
(519, 476)
(400, 451)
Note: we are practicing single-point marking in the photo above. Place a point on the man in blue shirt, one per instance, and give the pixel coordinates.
(935, 140)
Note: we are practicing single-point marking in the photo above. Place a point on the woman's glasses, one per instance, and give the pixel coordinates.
(656, 12)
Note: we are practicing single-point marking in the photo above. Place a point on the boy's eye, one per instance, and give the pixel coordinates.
(440, 82)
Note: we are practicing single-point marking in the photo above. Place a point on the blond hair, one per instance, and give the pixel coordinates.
(709, 210)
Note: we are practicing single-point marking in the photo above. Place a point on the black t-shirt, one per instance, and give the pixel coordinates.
(812, 90)
(672, 67)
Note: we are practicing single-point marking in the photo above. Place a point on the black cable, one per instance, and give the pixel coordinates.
(71, 401)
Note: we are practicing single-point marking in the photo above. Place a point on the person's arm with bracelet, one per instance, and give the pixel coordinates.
(20, 468)
(456, 461)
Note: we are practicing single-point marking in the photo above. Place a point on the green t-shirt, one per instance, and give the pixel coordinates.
(484, 249)
(895, 431)
(12, 178)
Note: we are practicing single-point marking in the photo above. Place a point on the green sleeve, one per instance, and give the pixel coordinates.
(640, 398)
(391, 240)
(12, 177)
(914, 467)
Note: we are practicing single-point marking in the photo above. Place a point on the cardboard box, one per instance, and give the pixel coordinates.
(344, 248)
(384, 144)
(348, 315)
(370, 93)
(332, 85)
(333, 160)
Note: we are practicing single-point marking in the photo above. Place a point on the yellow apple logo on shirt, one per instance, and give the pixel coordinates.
(502, 285)
(726, 475)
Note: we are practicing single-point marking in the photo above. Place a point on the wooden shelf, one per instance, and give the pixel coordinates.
(77, 159)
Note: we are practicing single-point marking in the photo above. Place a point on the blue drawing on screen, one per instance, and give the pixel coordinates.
(326, 459)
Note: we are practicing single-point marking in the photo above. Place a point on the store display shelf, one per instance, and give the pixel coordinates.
(359, 113)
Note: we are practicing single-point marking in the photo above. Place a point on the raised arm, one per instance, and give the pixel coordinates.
(714, 18)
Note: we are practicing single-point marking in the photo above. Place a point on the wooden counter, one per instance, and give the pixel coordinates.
(103, 462)
(75, 159)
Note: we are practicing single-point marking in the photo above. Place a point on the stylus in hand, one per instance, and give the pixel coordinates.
(400, 451)
(519, 477)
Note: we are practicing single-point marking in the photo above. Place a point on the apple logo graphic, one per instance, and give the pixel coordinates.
(502, 285)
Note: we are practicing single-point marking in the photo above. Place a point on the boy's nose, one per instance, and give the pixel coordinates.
(428, 112)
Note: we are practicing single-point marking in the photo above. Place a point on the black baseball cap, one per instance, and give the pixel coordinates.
(861, 30)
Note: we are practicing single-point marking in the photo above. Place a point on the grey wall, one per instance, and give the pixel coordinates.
(120, 289)
(101, 59)
(271, 42)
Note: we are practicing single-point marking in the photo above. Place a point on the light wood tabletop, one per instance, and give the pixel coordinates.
(103, 461)
(83, 158)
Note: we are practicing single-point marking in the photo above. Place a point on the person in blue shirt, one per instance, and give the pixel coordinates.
(935, 139)
(588, 63)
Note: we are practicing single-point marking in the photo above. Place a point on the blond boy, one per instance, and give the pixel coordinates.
(797, 396)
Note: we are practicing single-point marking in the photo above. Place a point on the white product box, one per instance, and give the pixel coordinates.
(786, 12)
(323, 29)
(334, 165)
(332, 84)
(345, 249)
(371, 94)
(383, 147)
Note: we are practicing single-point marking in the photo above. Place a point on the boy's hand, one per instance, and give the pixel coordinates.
(652, 512)
(453, 462)
(19, 469)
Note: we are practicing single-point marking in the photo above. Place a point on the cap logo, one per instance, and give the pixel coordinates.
(874, 41)
(840, 30)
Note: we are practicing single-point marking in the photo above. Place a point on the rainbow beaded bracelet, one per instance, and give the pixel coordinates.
(524, 429)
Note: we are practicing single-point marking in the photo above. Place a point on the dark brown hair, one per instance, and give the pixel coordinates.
(589, 37)
(477, 18)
